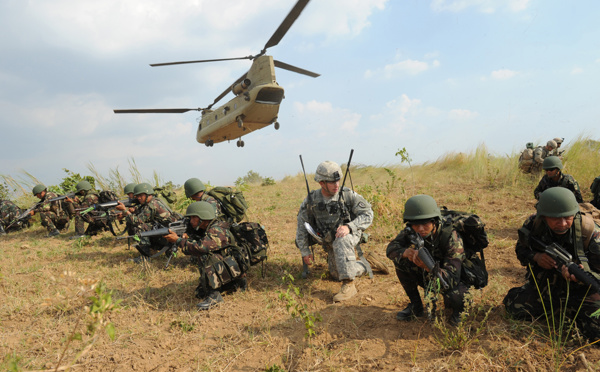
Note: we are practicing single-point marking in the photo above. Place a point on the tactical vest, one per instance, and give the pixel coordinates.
(327, 216)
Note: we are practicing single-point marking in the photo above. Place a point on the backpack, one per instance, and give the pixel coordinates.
(252, 237)
(107, 196)
(595, 187)
(166, 193)
(232, 203)
(472, 231)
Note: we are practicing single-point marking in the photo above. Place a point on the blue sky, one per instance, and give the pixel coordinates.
(429, 76)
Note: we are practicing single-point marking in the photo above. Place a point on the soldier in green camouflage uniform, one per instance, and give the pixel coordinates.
(210, 240)
(52, 214)
(195, 190)
(558, 220)
(84, 198)
(555, 178)
(149, 214)
(422, 216)
(9, 213)
(324, 210)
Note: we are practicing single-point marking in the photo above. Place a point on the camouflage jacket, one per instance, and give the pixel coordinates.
(538, 228)
(201, 242)
(540, 153)
(150, 213)
(450, 254)
(565, 180)
(85, 201)
(8, 211)
(324, 215)
(45, 206)
(209, 199)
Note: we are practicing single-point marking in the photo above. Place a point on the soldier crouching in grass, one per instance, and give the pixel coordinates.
(52, 215)
(221, 263)
(84, 198)
(424, 225)
(558, 220)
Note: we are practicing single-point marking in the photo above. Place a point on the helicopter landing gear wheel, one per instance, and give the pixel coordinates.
(240, 122)
(276, 125)
(209, 143)
(240, 143)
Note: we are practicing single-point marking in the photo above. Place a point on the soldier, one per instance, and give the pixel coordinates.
(52, 215)
(558, 220)
(595, 189)
(195, 190)
(340, 218)
(9, 213)
(555, 178)
(210, 240)
(84, 198)
(149, 213)
(557, 151)
(423, 217)
(128, 190)
(526, 158)
(540, 153)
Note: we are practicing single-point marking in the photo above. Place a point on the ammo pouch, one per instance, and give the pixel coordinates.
(218, 270)
(473, 271)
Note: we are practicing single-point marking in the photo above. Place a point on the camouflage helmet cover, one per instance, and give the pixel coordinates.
(557, 202)
(328, 171)
(552, 162)
(129, 188)
(421, 207)
(558, 140)
(552, 144)
(38, 188)
(193, 186)
(83, 185)
(143, 188)
(201, 209)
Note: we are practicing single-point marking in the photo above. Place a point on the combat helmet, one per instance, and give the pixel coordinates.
(83, 185)
(143, 188)
(129, 188)
(557, 202)
(328, 171)
(552, 144)
(529, 145)
(421, 207)
(201, 209)
(552, 162)
(38, 188)
(193, 186)
(558, 140)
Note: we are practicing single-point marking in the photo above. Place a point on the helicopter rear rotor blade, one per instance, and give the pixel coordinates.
(199, 61)
(156, 111)
(286, 24)
(299, 70)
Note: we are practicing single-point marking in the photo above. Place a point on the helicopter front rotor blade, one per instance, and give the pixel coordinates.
(156, 111)
(286, 24)
(226, 91)
(199, 61)
(299, 70)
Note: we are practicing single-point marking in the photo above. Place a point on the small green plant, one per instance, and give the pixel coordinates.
(274, 368)
(81, 242)
(294, 304)
(184, 326)
(11, 362)
(268, 181)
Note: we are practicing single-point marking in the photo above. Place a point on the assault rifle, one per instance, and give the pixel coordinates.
(23, 217)
(425, 256)
(61, 197)
(178, 227)
(564, 258)
(107, 205)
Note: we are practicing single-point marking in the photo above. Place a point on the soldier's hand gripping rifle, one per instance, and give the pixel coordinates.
(427, 259)
(23, 217)
(311, 218)
(564, 258)
(101, 213)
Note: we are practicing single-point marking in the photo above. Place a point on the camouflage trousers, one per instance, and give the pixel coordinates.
(341, 258)
(525, 303)
(51, 221)
(146, 244)
(411, 277)
(94, 227)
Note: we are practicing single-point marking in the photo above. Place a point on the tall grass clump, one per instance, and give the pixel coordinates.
(582, 160)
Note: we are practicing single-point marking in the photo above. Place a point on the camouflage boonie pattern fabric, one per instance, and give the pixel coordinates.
(9, 212)
(565, 180)
(525, 303)
(146, 217)
(450, 256)
(52, 215)
(526, 160)
(539, 154)
(326, 212)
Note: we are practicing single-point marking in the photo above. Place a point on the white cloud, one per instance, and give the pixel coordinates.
(325, 119)
(503, 74)
(483, 6)
(576, 71)
(406, 67)
(461, 114)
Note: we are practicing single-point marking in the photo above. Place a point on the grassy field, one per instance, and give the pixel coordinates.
(46, 286)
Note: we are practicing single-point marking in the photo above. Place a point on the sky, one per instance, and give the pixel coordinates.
(433, 77)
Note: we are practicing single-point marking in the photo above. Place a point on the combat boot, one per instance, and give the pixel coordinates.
(213, 298)
(347, 291)
(376, 263)
(412, 312)
(53, 233)
(241, 284)
(2, 232)
(455, 318)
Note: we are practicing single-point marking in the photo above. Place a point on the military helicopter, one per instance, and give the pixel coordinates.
(257, 94)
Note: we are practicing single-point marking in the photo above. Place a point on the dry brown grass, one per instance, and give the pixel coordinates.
(159, 328)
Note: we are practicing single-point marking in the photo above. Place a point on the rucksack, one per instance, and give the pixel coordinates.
(252, 237)
(472, 231)
(595, 187)
(167, 194)
(107, 196)
(232, 202)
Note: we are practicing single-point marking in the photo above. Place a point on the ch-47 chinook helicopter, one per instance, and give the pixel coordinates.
(257, 94)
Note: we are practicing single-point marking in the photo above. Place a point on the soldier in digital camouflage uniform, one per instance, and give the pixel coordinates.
(325, 214)
(555, 178)
(540, 153)
(149, 214)
(84, 198)
(558, 220)
(557, 151)
(526, 158)
(210, 240)
(423, 217)
(9, 213)
(52, 214)
(196, 190)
